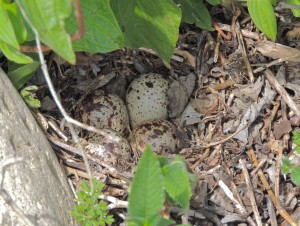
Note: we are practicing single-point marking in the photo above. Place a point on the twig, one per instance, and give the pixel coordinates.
(269, 190)
(229, 194)
(114, 202)
(244, 54)
(271, 212)
(244, 32)
(250, 192)
(274, 62)
(282, 92)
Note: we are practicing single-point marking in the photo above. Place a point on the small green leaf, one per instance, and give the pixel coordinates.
(296, 12)
(177, 183)
(296, 137)
(102, 31)
(22, 74)
(194, 11)
(262, 13)
(29, 96)
(13, 54)
(214, 2)
(7, 33)
(297, 149)
(295, 175)
(151, 24)
(146, 196)
(286, 165)
(48, 18)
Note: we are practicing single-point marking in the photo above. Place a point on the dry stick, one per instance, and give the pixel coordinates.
(250, 192)
(271, 212)
(269, 190)
(245, 33)
(268, 121)
(282, 92)
(244, 54)
(274, 62)
(230, 195)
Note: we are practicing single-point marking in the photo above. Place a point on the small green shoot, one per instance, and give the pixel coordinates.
(89, 211)
(288, 167)
(29, 96)
(156, 182)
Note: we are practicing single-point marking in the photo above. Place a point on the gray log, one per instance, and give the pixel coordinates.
(36, 186)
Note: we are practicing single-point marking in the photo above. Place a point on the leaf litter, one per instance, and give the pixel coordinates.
(235, 103)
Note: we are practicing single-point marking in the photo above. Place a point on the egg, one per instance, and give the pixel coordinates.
(103, 110)
(115, 154)
(159, 134)
(147, 99)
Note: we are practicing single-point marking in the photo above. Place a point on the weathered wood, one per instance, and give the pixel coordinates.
(37, 185)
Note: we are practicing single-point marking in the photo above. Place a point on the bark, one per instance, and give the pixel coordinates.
(34, 190)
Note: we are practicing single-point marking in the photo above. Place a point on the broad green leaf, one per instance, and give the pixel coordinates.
(262, 13)
(273, 2)
(151, 24)
(21, 75)
(17, 21)
(296, 12)
(194, 11)
(7, 33)
(48, 18)
(13, 54)
(295, 175)
(146, 195)
(102, 31)
(177, 183)
(214, 2)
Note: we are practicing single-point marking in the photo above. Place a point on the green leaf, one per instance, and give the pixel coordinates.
(21, 75)
(262, 13)
(295, 175)
(17, 21)
(13, 54)
(296, 12)
(296, 137)
(151, 24)
(48, 18)
(177, 183)
(146, 196)
(214, 2)
(286, 165)
(194, 11)
(7, 33)
(102, 31)
(29, 96)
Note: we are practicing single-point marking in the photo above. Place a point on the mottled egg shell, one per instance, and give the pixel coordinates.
(103, 110)
(159, 134)
(115, 154)
(147, 98)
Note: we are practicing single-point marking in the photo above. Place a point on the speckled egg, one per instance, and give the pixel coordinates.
(147, 98)
(159, 134)
(103, 110)
(115, 154)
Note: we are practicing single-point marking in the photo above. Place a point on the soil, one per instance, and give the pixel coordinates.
(235, 101)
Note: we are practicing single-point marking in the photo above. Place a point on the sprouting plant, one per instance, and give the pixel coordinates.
(157, 183)
(89, 210)
(288, 167)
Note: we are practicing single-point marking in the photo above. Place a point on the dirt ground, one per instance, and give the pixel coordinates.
(234, 98)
